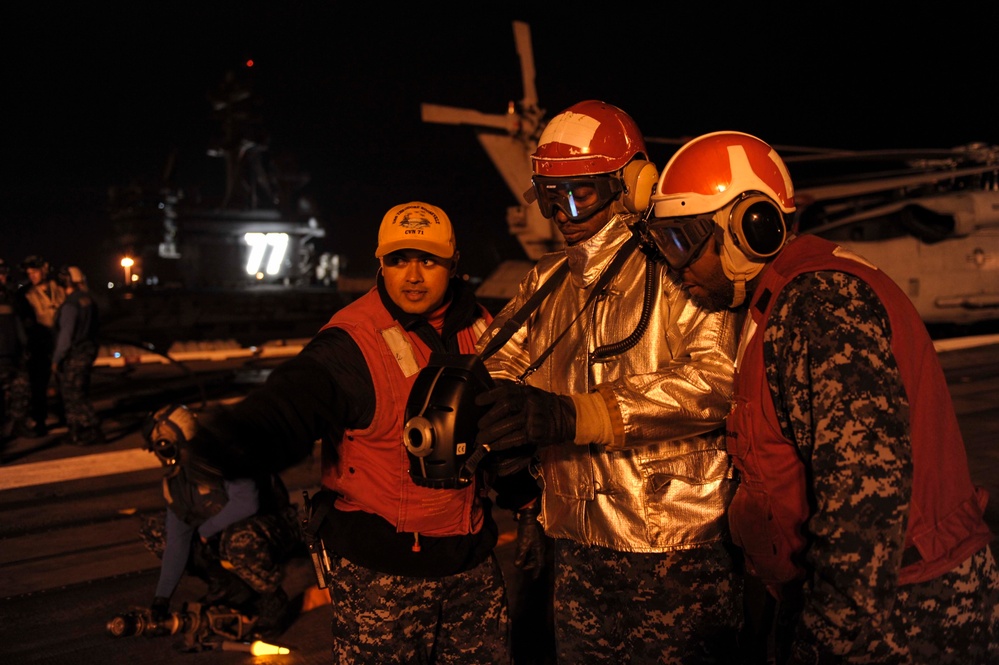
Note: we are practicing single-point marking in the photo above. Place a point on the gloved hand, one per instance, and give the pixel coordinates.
(205, 555)
(521, 415)
(160, 608)
(530, 556)
(509, 462)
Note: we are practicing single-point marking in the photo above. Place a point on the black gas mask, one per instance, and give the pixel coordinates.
(441, 421)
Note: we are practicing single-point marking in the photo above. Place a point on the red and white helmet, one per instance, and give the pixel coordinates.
(710, 171)
(738, 181)
(588, 138)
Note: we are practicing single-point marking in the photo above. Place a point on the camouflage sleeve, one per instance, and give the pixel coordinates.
(840, 398)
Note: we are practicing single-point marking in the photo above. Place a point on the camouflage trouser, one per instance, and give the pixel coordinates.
(952, 619)
(15, 394)
(961, 607)
(74, 385)
(253, 549)
(379, 618)
(623, 607)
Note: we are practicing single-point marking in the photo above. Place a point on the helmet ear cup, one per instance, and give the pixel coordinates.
(758, 225)
(639, 178)
(167, 430)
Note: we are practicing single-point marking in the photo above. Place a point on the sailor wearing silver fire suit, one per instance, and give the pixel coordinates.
(655, 478)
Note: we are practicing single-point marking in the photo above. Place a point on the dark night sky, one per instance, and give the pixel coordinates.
(96, 97)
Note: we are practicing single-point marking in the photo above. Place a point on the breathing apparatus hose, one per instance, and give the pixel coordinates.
(609, 350)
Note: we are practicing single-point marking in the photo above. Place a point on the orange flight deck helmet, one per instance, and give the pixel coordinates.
(587, 138)
(709, 172)
(731, 179)
(595, 145)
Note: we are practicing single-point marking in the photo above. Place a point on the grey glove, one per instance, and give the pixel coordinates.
(521, 415)
(530, 542)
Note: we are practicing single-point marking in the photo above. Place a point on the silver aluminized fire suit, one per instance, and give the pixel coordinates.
(665, 480)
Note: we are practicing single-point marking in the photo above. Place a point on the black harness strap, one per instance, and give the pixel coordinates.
(622, 255)
(514, 323)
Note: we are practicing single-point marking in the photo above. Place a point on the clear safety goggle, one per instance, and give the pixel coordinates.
(680, 239)
(578, 198)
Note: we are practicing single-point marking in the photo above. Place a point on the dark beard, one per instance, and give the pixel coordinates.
(714, 302)
(719, 297)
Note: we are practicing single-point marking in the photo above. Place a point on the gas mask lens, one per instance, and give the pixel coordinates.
(680, 239)
(578, 198)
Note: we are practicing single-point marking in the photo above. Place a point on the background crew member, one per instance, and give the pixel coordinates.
(76, 326)
(236, 535)
(40, 300)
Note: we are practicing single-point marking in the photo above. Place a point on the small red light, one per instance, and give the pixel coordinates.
(249, 63)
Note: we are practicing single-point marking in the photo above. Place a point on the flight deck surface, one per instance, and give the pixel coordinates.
(71, 557)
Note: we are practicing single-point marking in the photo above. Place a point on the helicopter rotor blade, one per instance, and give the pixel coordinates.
(681, 140)
(861, 187)
(974, 152)
(522, 36)
(450, 115)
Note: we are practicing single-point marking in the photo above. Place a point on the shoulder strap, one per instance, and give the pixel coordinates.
(514, 323)
(622, 255)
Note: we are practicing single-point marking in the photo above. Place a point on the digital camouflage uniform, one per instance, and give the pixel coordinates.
(364, 598)
(15, 394)
(76, 326)
(74, 382)
(828, 336)
(700, 623)
(252, 550)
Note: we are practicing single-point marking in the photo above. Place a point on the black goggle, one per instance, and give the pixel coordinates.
(679, 239)
(578, 198)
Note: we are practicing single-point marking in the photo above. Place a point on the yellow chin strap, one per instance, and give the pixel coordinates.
(739, 293)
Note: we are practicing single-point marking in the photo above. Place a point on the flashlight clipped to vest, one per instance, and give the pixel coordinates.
(441, 421)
